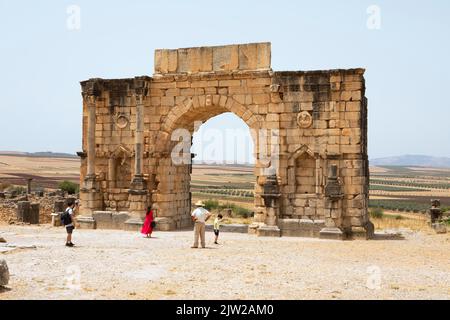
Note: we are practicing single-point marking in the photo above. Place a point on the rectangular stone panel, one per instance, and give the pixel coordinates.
(252, 56)
(226, 58)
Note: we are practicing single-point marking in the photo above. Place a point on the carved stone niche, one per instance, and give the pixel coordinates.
(302, 171)
(119, 167)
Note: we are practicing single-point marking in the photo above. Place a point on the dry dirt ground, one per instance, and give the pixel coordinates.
(123, 265)
(45, 172)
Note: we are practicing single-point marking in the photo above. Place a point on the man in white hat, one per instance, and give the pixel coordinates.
(200, 215)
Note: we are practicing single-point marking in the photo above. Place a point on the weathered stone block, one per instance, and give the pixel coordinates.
(4, 273)
(226, 58)
(23, 211)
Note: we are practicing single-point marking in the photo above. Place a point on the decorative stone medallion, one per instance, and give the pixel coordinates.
(304, 119)
(121, 121)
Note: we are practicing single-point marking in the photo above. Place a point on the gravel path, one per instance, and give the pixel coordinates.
(123, 265)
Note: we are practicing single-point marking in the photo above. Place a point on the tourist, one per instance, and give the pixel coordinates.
(66, 219)
(149, 224)
(200, 215)
(217, 222)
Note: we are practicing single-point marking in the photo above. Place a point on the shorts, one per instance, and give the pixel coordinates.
(216, 232)
(69, 229)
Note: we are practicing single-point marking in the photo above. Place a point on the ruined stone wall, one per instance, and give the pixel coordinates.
(323, 122)
(8, 207)
(7, 211)
(320, 120)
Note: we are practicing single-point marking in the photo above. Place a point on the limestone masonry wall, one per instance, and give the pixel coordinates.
(320, 180)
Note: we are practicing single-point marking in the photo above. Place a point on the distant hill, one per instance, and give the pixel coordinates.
(214, 163)
(412, 160)
(46, 154)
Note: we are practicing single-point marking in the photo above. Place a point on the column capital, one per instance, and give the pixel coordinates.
(90, 91)
(139, 99)
(90, 99)
(140, 90)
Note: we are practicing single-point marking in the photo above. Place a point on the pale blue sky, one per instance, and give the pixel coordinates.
(407, 60)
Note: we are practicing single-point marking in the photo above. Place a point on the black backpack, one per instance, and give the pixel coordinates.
(65, 218)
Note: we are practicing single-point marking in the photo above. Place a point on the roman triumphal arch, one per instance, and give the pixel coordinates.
(309, 130)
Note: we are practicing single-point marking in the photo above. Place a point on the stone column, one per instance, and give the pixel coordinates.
(317, 174)
(271, 196)
(90, 193)
(34, 213)
(23, 211)
(29, 185)
(90, 177)
(138, 180)
(138, 193)
(112, 172)
(333, 206)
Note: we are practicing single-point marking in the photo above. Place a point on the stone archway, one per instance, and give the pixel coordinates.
(184, 116)
(313, 178)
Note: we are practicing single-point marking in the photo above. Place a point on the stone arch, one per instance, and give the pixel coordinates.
(192, 84)
(304, 149)
(202, 108)
(182, 116)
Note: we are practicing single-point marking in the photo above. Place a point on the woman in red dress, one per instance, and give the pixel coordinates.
(147, 228)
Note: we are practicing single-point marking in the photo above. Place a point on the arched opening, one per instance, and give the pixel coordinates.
(223, 167)
(174, 197)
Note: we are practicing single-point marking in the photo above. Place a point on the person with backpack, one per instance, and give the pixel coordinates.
(66, 220)
(149, 224)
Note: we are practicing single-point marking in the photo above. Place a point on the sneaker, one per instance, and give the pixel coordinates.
(216, 242)
(194, 247)
(69, 244)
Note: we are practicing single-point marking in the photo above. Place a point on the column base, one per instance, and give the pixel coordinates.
(165, 224)
(138, 183)
(253, 228)
(268, 231)
(86, 222)
(331, 234)
(133, 224)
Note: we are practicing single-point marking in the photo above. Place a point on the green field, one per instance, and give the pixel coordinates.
(401, 188)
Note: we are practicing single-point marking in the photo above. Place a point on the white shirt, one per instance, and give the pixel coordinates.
(70, 211)
(201, 214)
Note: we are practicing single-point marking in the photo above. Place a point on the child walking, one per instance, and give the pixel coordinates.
(217, 227)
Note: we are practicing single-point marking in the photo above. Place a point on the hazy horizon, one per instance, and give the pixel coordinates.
(406, 59)
(20, 152)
